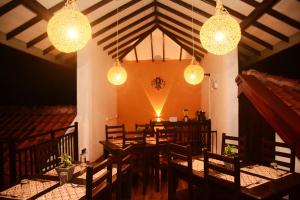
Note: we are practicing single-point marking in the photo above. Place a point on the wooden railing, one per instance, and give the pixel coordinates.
(17, 155)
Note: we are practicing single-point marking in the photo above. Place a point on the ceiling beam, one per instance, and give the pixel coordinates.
(96, 6)
(135, 53)
(151, 47)
(176, 12)
(48, 49)
(9, 6)
(185, 34)
(122, 20)
(125, 28)
(249, 48)
(36, 40)
(37, 8)
(185, 47)
(207, 15)
(261, 9)
(141, 38)
(280, 46)
(128, 35)
(32, 21)
(276, 14)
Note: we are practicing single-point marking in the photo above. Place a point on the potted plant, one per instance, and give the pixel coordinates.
(65, 165)
(229, 150)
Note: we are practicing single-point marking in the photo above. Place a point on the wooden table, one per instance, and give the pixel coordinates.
(257, 181)
(47, 187)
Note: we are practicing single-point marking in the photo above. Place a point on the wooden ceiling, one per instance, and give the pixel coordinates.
(268, 26)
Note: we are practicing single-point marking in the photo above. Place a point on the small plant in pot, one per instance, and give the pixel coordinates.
(65, 165)
(230, 151)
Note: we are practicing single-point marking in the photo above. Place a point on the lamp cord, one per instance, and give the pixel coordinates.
(193, 28)
(118, 32)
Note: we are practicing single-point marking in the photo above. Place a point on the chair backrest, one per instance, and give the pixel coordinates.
(180, 157)
(167, 135)
(124, 167)
(114, 132)
(46, 156)
(133, 137)
(98, 186)
(143, 128)
(217, 173)
(281, 153)
(237, 142)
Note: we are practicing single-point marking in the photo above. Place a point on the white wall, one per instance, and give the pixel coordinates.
(96, 98)
(223, 100)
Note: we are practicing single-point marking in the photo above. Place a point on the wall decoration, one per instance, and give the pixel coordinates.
(158, 83)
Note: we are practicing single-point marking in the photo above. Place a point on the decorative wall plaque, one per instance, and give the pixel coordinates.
(158, 83)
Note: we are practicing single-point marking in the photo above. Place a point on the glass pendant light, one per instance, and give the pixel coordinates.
(69, 30)
(193, 73)
(117, 74)
(221, 33)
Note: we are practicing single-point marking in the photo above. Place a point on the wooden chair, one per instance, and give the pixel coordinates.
(179, 154)
(281, 153)
(133, 137)
(99, 187)
(163, 137)
(114, 132)
(124, 159)
(143, 128)
(218, 187)
(46, 156)
(237, 142)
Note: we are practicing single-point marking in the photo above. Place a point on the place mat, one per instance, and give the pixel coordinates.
(99, 174)
(28, 190)
(247, 180)
(64, 192)
(198, 165)
(265, 171)
(78, 168)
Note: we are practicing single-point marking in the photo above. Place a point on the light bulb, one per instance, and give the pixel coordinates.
(219, 36)
(72, 33)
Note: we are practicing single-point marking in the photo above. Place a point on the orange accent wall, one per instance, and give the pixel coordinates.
(138, 101)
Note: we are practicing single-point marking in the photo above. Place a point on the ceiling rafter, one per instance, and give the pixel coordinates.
(207, 15)
(185, 47)
(127, 36)
(276, 14)
(103, 40)
(114, 12)
(130, 34)
(196, 39)
(136, 41)
(249, 48)
(256, 24)
(9, 6)
(122, 20)
(37, 8)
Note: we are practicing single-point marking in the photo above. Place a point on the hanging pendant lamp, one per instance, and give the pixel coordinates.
(193, 73)
(117, 74)
(221, 33)
(69, 30)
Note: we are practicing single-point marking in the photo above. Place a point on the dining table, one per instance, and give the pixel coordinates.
(47, 186)
(256, 181)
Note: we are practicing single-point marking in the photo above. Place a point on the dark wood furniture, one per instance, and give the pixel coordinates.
(46, 156)
(163, 138)
(280, 153)
(143, 128)
(219, 188)
(178, 154)
(124, 159)
(237, 142)
(100, 187)
(114, 132)
(133, 137)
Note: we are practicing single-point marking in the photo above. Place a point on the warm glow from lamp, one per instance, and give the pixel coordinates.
(193, 73)
(69, 30)
(221, 33)
(117, 74)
